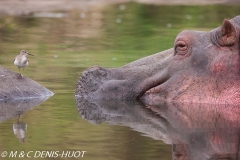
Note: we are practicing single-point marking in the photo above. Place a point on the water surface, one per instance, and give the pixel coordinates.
(64, 47)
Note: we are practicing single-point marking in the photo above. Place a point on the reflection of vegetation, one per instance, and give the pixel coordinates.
(148, 29)
(12, 28)
(65, 47)
(141, 30)
(7, 27)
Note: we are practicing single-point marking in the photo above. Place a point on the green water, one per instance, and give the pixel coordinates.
(64, 47)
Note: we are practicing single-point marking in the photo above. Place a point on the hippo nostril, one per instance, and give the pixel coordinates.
(91, 81)
(103, 73)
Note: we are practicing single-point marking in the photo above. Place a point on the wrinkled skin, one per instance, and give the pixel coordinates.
(203, 67)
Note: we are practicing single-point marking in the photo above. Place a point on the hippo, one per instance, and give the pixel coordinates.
(202, 67)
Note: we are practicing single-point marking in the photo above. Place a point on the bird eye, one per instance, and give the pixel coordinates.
(180, 47)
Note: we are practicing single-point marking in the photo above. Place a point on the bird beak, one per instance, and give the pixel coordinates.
(30, 54)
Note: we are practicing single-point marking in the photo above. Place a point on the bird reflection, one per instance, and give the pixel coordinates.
(20, 130)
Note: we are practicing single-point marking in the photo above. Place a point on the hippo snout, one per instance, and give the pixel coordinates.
(202, 67)
(91, 81)
(128, 82)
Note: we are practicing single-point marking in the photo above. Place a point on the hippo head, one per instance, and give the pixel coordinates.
(203, 67)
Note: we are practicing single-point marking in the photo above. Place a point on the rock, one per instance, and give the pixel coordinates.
(13, 87)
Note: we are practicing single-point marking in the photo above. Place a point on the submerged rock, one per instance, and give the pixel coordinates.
(13, 87)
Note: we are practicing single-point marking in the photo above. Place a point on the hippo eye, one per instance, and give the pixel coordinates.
(180, 47)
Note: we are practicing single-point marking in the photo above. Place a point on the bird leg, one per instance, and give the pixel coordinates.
(19, 75)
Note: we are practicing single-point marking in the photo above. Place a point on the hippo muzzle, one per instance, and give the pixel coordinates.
(128, 82)
(203, 67)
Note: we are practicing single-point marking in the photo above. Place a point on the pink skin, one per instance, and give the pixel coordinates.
(203, 67)
(219, 83)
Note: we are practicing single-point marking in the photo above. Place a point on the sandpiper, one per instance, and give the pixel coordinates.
(21, 60)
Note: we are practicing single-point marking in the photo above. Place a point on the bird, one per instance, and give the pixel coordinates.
(21, 60)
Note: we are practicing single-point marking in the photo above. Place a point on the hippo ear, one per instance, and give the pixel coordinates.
(228, 34)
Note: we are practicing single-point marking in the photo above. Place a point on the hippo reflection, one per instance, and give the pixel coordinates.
(196, 131)
(203, 67)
